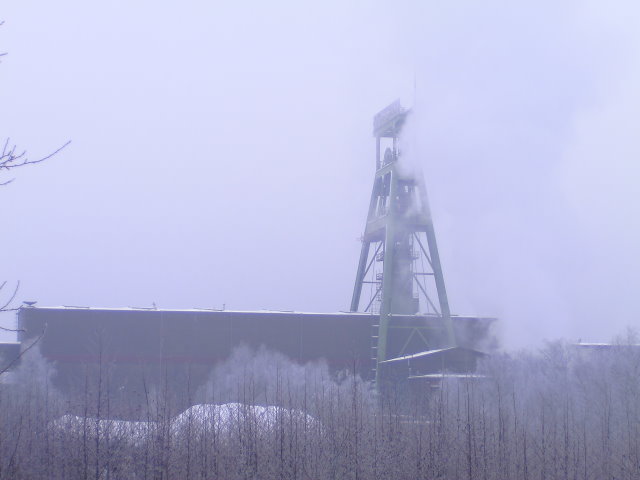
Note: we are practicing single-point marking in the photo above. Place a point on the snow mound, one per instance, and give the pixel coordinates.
(231, 416)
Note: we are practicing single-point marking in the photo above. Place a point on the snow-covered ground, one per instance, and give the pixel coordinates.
(133, 433)
(225, 418)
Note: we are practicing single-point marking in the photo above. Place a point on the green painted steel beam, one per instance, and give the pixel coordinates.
(387, 274)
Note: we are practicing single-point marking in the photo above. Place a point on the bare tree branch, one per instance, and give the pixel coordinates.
(2, 54)
(19, 356)
(13, 330)
(10, 158)
(4, 308)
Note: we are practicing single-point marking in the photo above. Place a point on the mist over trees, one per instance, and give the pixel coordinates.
(558, 413)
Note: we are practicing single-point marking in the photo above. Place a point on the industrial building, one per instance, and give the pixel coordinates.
(399, 320)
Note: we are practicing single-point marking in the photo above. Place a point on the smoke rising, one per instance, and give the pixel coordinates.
(523, 124)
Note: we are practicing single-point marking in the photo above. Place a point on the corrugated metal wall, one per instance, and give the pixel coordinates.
(139, 349)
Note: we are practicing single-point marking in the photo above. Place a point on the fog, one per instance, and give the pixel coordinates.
(222, 155)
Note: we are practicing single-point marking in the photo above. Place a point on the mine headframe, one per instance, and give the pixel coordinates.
(399, 274)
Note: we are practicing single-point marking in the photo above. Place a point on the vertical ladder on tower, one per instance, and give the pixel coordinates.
(375, 333)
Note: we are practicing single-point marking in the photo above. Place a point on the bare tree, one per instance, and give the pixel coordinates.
(12, 158)
(6, 306)
(560, 413)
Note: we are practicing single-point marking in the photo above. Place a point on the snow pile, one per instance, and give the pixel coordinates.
(223, 419)
(230, 417)
(133, 433)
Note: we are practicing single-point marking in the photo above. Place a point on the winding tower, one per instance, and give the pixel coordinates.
(399, 274)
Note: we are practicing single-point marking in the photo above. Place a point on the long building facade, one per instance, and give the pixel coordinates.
(142, 348)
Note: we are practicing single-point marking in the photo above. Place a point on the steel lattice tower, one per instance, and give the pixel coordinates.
(399, 235)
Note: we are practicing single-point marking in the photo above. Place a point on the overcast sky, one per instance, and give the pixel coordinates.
(222, 153)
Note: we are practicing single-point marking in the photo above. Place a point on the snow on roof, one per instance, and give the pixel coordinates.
(181, 310)
(432, 352)
(202, 309)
